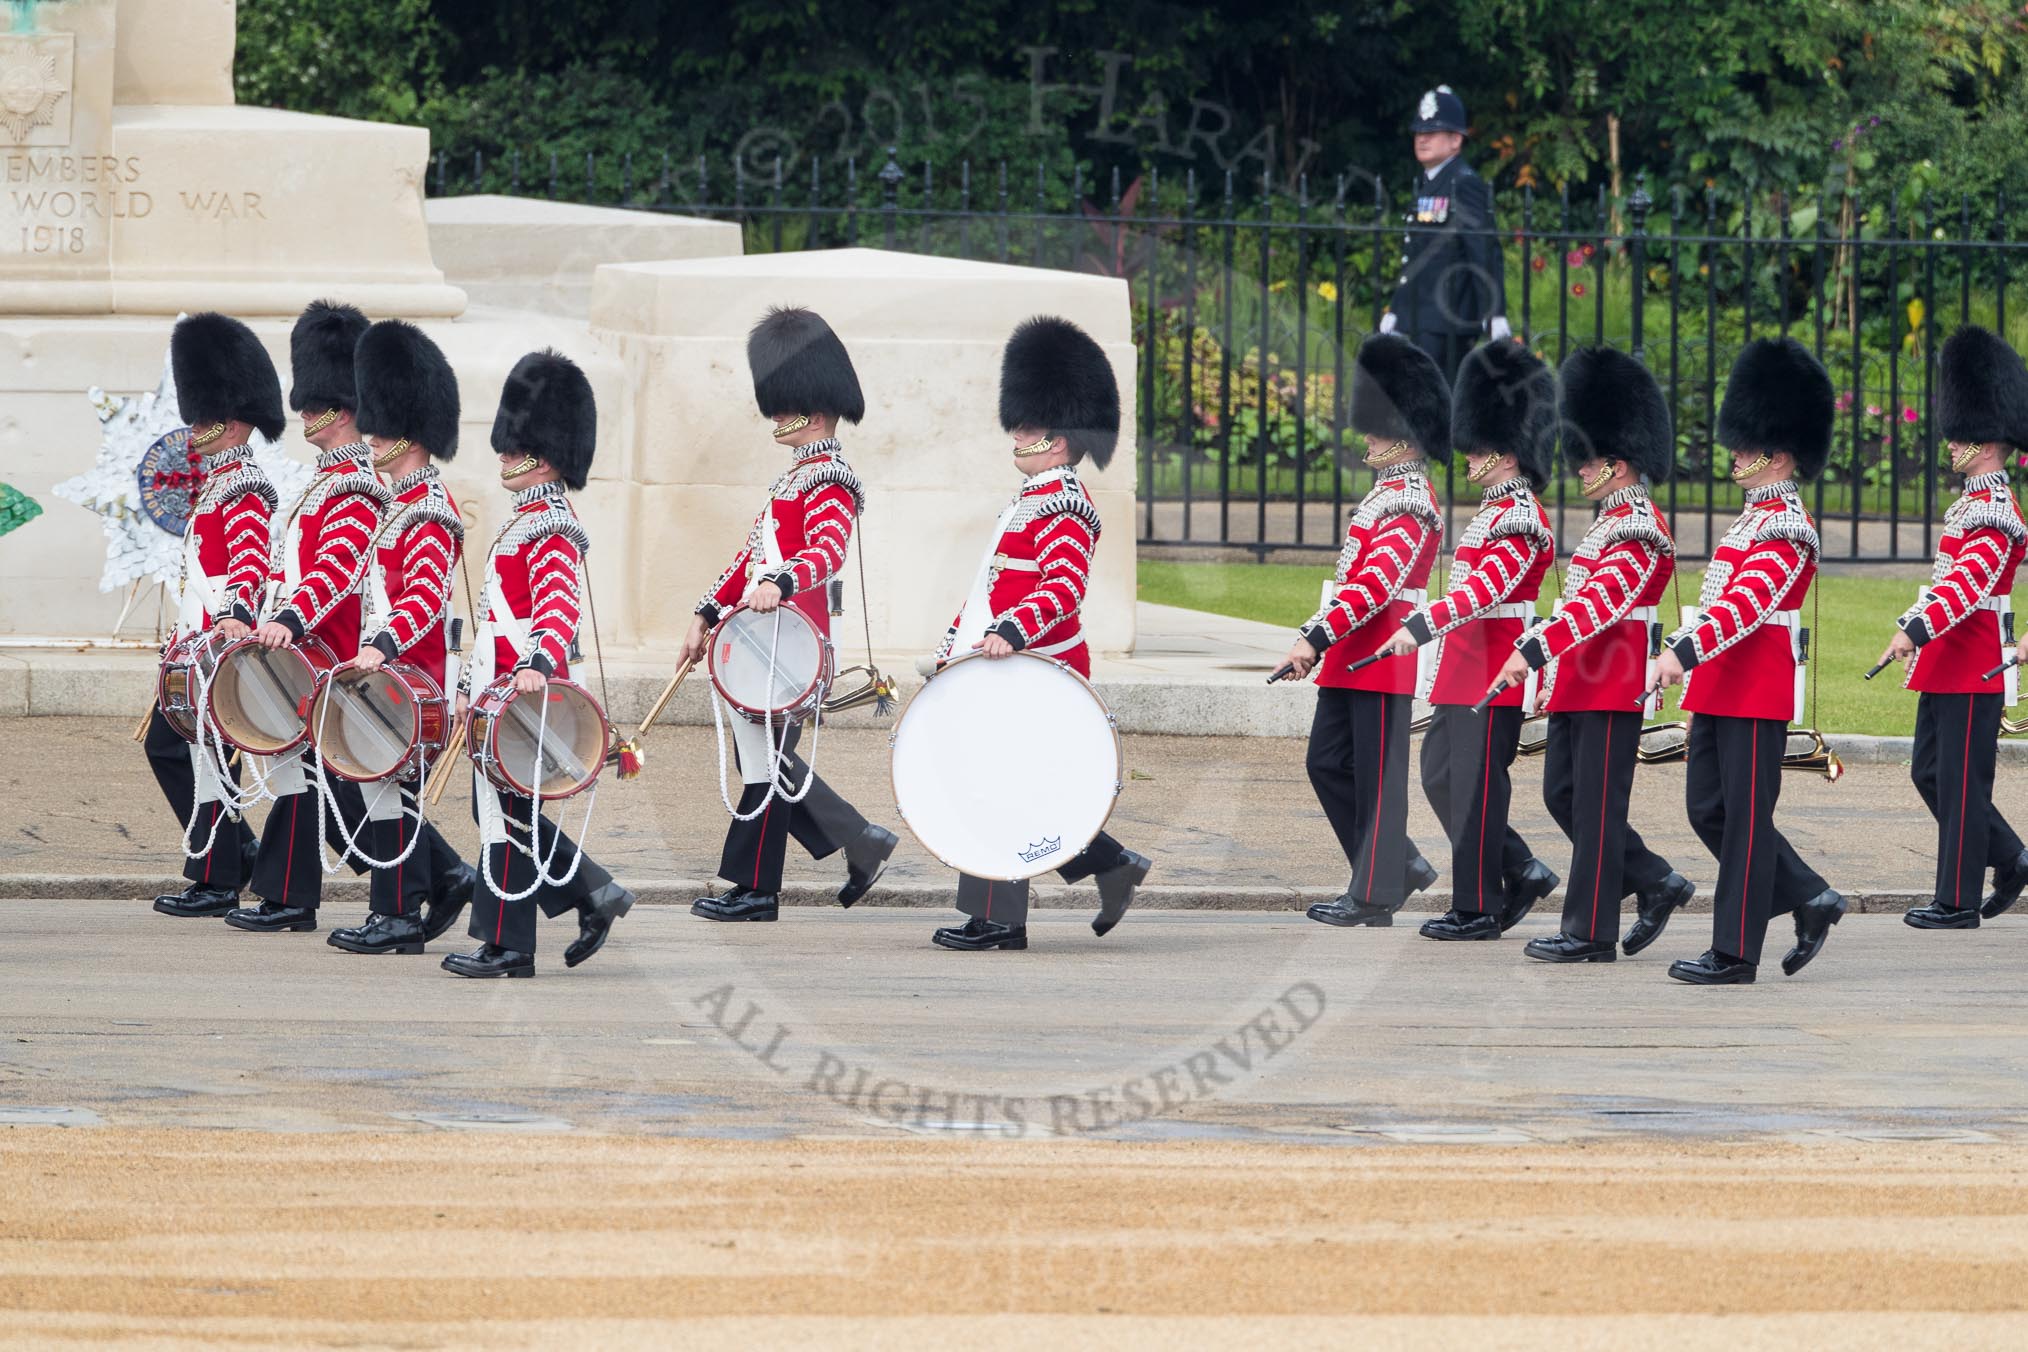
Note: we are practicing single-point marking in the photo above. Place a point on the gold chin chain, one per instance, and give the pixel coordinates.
(1743, 472)
(1037, 448)
(394, 453)
(199, 440)
(1395, 451)
(792, 426)
(323, 420)
(1605, 474)
(528, 462)
(1479, 475)
(1963, 453)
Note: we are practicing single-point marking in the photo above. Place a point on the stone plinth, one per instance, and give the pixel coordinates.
(532, 254)
(175, 51)
(925, 334)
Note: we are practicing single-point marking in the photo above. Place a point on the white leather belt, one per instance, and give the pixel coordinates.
(1791, 620)
(1645, 614)
(1414, 596)
(1508, 610)
(1005, 564)
(2001, 604)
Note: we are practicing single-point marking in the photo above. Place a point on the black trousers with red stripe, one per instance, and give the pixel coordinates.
(1006, 903)
(511, 924)
(169, 759)
(1956, 748)
(1466, 758)
(1358, 764)
(289, 869)
(403, 889)
(1730, 786)
(756, 850)
(1587, 784)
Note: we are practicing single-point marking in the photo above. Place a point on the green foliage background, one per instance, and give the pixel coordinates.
(1735, 95)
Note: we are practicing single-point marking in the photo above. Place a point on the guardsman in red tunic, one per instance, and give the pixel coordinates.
(802, 379)
(317, 556)
(1961, 627)
(1358, 758)
(1595, 652)
(1060, 401)
(408, 413)
(1744, 657)
(531, 610)
(226, 389)
(1503, 416)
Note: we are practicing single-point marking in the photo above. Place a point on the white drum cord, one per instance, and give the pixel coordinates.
(211, 742)
(777, 757)
(543, 876)
(327, 800)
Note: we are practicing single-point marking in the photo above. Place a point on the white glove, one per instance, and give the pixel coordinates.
(1388, 322)
(1497, 329)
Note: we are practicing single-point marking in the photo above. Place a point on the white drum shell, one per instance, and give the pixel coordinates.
(1006, 769)
(775, 667)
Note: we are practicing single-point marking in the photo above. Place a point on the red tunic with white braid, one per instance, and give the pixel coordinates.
(229, 523)
(1956, 622)
(1041, 570)
(330, 531)
(1598, 643)
(814, 505)
(539, 561)
(1741, 650)
(1501, 559)
(1391, 544)
(416, 554)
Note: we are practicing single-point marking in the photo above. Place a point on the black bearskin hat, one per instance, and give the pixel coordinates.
(546, 409)
(1982, 392)
(1612, 409)
(1399, 394)
(223, 374)
(1055, 376)
(1505, 402)
(1779, 398)
(320, 357)
(407, 388)
(799, 366)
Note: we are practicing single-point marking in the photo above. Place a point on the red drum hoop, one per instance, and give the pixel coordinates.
(260, 698)
(186, 664)
(737, 659)
(501, 739)
(384, 724)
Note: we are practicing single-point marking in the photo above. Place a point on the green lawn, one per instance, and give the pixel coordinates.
(1855, 623)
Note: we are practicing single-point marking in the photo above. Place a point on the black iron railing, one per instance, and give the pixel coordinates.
(1249, 298)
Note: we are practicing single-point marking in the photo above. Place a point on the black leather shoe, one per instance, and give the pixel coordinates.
(1713, 969)
(197, 899)
(1420, 877)
(1938, 916)
(271, 917)
(976, 936)
(381, 934)
(490, 960)
(595, 921)
(865, 860)
(1566, 948)
(1347, 914)
(1524, 889)
(1656, 905)
(453, 893)
(1814, 919)
(1116, 890)
(2007, 885)
(1457, 925)
(738, 904)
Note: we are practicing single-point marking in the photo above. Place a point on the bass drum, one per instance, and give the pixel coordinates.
(519, 748)
(260, 698)
(775, 667)
(1007, 768)
(373, 725)
(187, 664)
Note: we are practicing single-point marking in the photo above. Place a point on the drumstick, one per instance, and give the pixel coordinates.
(141, 729)
(2012, 661)
(1370, 660)
(1499, 687)
(1881, 666)
(440, 778)
(1282, 672)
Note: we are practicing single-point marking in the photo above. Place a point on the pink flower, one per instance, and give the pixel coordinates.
(1575, 258)
(1845, 402)
(1908, 415)
(1873, 410)
(1577, 288)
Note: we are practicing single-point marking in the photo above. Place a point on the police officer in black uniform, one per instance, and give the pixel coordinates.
(1453, 279)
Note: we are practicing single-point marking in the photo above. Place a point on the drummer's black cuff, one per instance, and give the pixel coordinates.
(1534, 650)
(709, 611)
(1011, 631)
(291, 621)
(385, 642)
(539, 660)
(1917, 630)
(242, 612)
(1317, 636)
(785, 582)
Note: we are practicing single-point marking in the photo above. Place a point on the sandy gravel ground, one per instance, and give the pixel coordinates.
(184, 1239)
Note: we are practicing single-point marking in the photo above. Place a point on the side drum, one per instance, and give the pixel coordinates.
(373, 725)
(187, 664)
(260, 698)
(548, 745)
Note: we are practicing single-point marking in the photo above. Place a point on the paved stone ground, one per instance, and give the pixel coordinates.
(1230, 821)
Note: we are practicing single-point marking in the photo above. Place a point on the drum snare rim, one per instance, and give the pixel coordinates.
(1112, 726)
(420, 752)
(805, 703)
(308, 648)
(479, 748)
